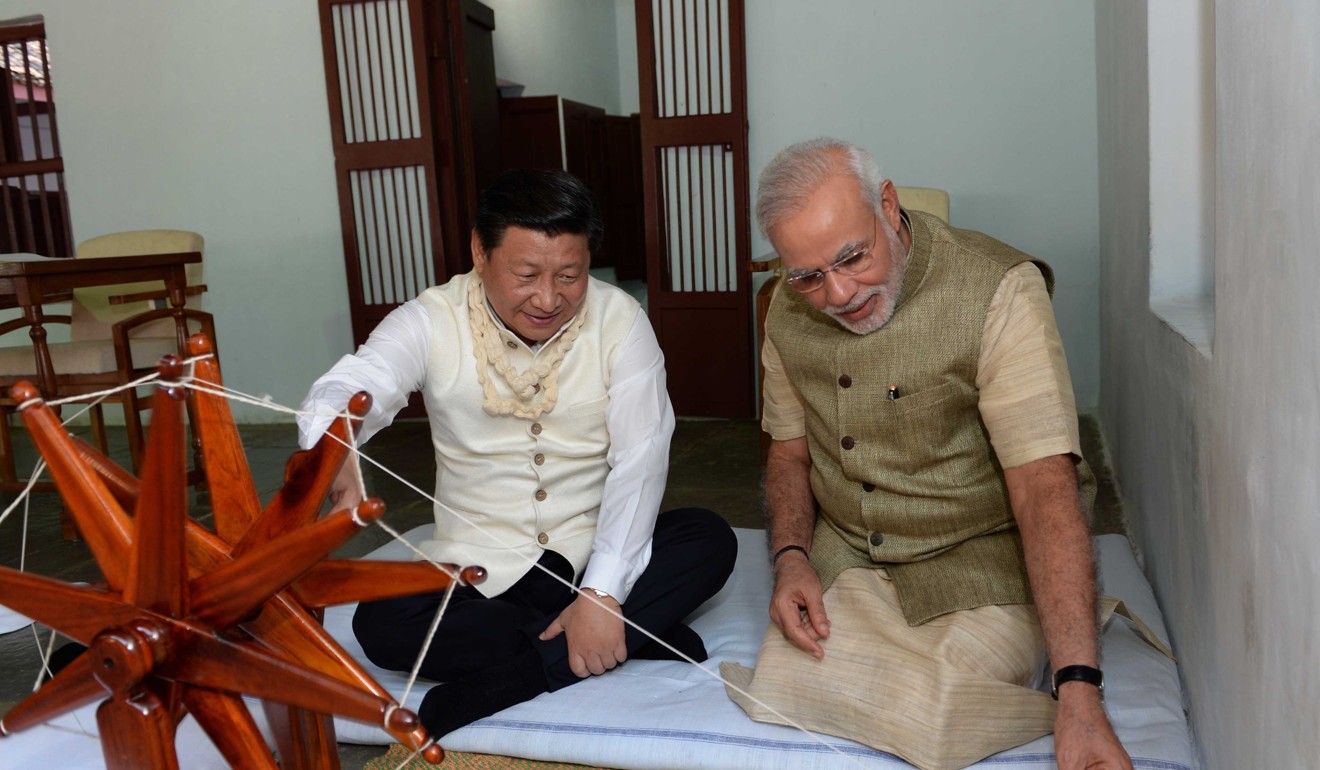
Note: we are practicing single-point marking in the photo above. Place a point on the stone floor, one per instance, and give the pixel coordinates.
(714, 464)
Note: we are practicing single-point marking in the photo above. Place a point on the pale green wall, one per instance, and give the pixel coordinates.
(992, 101)
(212, 117)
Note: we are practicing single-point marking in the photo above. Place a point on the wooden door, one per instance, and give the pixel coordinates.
(625, 241)
(34, 208)
(464, 54)
(692, 70)
(391, 115)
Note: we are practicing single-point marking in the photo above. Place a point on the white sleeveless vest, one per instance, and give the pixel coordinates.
(525, 486)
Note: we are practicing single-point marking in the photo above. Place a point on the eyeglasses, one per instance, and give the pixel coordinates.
(852, 263)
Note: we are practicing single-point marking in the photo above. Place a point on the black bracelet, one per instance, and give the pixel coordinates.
(775, 559)
(1087, 674)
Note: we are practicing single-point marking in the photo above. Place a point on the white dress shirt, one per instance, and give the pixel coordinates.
(639, 418)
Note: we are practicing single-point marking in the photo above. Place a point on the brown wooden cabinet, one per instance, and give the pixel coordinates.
(602, 150)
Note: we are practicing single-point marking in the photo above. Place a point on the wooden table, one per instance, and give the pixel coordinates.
(29, 281)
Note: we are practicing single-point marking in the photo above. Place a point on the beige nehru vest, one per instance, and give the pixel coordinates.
(911, 484)
(521, 486)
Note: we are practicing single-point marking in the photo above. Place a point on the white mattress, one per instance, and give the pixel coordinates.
(653, 715)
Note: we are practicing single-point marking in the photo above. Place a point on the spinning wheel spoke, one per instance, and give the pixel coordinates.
(137, 732)
(343, 582)
(158, 572)
(70, 689)
(77, 612)
(232, 592)
(289, 630)
(103, 523)
(229, 480)
(122, 485)
(226, 720)
(307, 478)
(304, 738)
(219, 664)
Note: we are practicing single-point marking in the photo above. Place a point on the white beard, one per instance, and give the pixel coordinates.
(886, 293)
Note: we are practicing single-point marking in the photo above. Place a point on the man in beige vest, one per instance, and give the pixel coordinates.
(550, 424)
(922, 486)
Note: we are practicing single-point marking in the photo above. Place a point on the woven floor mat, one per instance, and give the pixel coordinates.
(457, 760)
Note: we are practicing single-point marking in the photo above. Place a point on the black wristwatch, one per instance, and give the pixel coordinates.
(1092, 676)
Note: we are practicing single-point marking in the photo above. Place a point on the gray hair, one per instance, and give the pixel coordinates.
(798, 170)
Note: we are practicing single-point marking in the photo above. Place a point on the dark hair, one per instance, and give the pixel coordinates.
(549, 201)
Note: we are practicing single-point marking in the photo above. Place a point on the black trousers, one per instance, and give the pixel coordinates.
(692, 554)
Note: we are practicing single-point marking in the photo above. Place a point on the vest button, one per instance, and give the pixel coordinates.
(845, 381)
(543, 538)
(847, 442)
(539, 459)
(536, 429)
(540, 495)
(512, 345)
(877, 538)
(868, 487)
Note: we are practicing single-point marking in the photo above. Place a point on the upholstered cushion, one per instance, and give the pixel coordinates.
(925, 199)
(92, 312)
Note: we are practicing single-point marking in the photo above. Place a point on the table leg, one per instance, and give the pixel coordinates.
(45, 369)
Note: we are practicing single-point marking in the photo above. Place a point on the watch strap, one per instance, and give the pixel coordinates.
(775, 559)
(1088, 674)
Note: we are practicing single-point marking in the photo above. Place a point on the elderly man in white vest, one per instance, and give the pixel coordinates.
(550, 422)
(924, 486)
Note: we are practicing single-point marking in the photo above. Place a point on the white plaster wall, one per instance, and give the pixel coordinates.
(993, 102)
(625, 22)
(565, 48)
(212, 117)
(1180, 42)
(1217, 456)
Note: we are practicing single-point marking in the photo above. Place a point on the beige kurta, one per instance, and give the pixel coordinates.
(1026, 394)
(948, 692)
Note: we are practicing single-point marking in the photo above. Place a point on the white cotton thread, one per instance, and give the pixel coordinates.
(357, 466)
(97, 396)
(426, 645)
(23, 498)
(27, 509)
(80, 730)
(235, 395)
(590, 597)
(429, 743)
(44, 671)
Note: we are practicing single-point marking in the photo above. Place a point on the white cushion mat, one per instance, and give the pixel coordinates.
(655, 715)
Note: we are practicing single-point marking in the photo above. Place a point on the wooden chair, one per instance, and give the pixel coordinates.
(117, 333)
(926, 199)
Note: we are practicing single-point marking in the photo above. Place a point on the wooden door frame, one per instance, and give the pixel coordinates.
(730, 130)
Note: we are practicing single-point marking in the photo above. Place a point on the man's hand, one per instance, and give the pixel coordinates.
(595, 636)
(346, 490)
(1083, 738)
(797, 606)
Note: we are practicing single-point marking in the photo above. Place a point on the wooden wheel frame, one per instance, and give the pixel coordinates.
(189, 619)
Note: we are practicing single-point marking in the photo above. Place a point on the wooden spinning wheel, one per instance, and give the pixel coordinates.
(190, 619)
